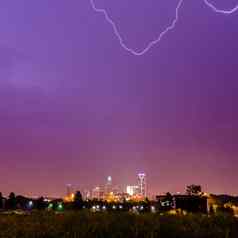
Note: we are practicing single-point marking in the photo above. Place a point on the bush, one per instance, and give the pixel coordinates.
(84, 224)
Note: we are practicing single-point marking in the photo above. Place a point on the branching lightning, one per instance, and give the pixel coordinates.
(151, 44)
(215, 9)
(163, 33)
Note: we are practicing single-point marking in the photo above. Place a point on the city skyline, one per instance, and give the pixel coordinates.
(138, 187)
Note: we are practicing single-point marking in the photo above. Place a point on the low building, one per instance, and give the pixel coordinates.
(98, 193)
(188, 203)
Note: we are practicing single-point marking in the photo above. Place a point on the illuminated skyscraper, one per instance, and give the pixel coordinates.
(98, 193)
(109, 180)
(69, 189)
(132, 190)
(86, 194)
(142, 184)
(108, 187)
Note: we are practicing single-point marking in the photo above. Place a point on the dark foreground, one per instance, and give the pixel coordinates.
(115, 225)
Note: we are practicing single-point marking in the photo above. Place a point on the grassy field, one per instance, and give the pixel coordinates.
(115, 225)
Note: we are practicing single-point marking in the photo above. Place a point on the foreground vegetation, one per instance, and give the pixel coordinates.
(116, 225)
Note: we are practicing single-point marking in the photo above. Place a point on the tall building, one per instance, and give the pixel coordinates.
(86, 194)
(108, 186)
(69, 190)
(109, 180)
(142, 184)
(69, 193)
(98, 193)
(132, 190)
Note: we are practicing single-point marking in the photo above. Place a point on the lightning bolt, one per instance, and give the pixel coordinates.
(163, 33)
(225, 12)
(151, 44)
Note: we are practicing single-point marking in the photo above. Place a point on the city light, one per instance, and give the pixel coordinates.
(152, 208)
(132, 189)
(60, 207)
(30, 204)
(69, 198)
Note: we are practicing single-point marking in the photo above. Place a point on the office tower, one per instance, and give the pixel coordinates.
(109, 180)
(132, 190)
(108, 186)
(142, 184)
(98, 193)
(69, 190)
(86, 194)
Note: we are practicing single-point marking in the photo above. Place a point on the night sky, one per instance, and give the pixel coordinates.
(76, 107)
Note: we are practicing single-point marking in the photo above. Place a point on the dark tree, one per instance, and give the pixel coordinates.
(169, 197)
(147, 200)
(1, 201)
(193, 189)
(225, 210)
(211, 210)
(78, 200)
(40, 203)
(12, 202)
(21, 202)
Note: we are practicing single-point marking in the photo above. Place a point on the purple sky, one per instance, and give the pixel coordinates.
(76, 107)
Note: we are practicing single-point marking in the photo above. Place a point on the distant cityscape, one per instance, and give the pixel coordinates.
(113, 193)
